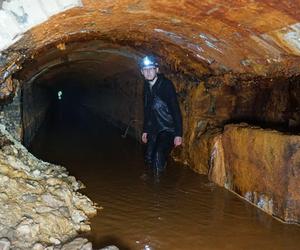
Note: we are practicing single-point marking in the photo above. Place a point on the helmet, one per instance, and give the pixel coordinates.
(148, 62)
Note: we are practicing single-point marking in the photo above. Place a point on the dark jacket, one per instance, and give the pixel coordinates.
(161, 108)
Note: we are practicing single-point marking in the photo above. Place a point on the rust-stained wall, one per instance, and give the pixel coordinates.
(217, 101)
(260, 165)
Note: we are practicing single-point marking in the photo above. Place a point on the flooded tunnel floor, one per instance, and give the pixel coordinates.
(179, 210)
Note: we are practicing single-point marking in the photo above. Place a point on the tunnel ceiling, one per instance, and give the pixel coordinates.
(80, 62)
(195, 37)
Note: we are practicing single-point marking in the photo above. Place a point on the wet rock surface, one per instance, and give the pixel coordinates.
(262, 166)
(39, 201)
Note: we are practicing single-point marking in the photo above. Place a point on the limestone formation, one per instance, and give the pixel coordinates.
(39, 201)
(4, 244)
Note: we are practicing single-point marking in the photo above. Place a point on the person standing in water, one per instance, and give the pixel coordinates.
(162, 129)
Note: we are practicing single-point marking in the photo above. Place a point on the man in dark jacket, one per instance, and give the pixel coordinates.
(162, 117)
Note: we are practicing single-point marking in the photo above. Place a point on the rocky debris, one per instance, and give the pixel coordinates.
(75, 244)
(110, 248)
(4, 244)
(262, 165)
(39, 201)
(78, 243)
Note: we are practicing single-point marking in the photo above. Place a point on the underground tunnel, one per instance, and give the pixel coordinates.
(104, 83)
(71, 93)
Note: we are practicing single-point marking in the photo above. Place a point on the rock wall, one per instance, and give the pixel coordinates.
(216, 101)
(11, 114)
(260, 165)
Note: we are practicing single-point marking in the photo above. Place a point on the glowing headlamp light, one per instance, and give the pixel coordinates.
(147, 62)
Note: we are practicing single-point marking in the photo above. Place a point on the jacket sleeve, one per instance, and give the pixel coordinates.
(146, 111)
(174, 107)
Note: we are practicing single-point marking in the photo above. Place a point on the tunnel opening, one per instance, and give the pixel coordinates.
(82, 87)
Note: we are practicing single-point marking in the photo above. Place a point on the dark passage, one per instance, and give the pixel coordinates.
(179, 210)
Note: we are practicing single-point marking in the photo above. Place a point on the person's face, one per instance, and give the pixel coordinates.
(149, 73)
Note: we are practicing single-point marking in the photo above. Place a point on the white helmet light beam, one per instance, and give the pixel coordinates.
(147, 61)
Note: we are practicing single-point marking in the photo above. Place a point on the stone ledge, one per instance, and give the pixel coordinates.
(261, 165)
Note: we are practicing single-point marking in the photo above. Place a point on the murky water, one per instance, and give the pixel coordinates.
(179, 210)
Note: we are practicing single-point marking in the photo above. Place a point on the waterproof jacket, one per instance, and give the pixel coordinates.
(161, 108)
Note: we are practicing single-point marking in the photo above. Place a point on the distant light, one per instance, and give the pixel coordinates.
(59, 95)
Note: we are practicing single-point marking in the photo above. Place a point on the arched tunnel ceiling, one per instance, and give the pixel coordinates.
(88, 62)
(196, 37)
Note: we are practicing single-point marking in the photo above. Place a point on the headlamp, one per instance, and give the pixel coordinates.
(148, 62)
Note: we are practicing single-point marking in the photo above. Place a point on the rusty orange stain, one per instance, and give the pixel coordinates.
(245, 33)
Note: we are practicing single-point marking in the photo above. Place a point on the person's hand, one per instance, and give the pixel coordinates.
(177, 141)
(144, 138)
